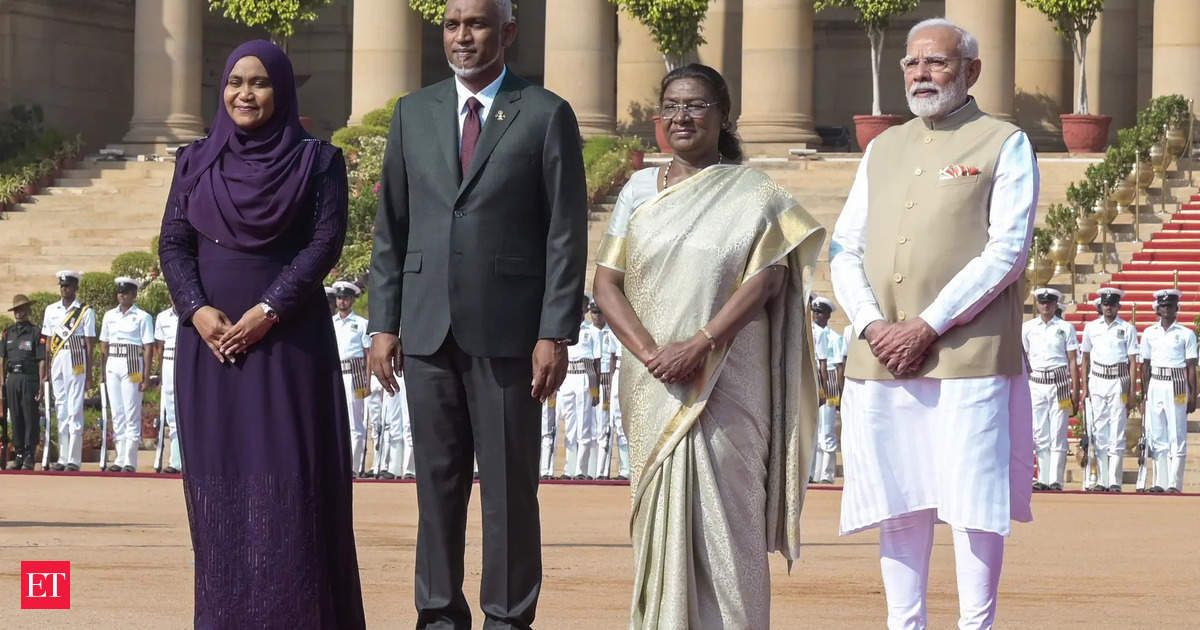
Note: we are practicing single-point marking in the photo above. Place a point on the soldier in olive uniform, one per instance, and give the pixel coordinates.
(21, 360)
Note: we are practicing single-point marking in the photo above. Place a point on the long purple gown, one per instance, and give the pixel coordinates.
(265, 441)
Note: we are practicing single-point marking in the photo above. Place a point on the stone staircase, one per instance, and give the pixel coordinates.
(91, 214)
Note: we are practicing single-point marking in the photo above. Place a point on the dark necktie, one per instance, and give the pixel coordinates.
(470, 134)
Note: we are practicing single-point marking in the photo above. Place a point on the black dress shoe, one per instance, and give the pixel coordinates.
(409, 476)
(1114, 488)
(1057, 487)
(1173, 491)
(1140, 490)
(386, 475)
(18, 462)
(1157, 489)
(114, 468)
(546, 477)
(171, 470)
(1037, 485)
(73, 467)
(1097, 488)
(622, 478)
(28, 464)
(59, 467)
(129, 469)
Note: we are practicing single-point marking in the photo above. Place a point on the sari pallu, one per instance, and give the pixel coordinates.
(718, 466)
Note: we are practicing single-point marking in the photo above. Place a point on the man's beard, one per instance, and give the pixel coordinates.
(467, 74)
(946, 100)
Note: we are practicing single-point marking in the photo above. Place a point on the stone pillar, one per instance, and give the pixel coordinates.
(581, 61)
(640, 69)
(1112, 65)
(167, 58)
(993, 23)
(387, 54)
(1176, 48)
(723, 46)
(1044, 69)
(777, 76)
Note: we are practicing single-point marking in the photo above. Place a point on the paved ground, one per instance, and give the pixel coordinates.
(1088, 561)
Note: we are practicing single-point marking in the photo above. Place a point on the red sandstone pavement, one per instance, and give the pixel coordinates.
(1088, 561)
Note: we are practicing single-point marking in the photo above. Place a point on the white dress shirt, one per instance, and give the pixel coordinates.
(134, 326)
(166, 325)
(1010, 216)
(1168, 348)
(56, 314)
(608, 347)
(588, 347)
(1047, 343)
(485, 98)
(351, 334)
(1109, 343)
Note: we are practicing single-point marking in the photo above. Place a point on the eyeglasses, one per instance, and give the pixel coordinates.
(693, 110)
(936, 63)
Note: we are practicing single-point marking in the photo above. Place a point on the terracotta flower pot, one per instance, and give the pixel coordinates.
(866, 127)
(1085, 133)
(660, 135)
(637, 159)
(29, 190)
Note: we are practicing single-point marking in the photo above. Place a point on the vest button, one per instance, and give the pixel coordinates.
(898, 278)
(928, 139)
(902, 240)
(909, 204)
(901, 315)
(918, 171)
(458, 213)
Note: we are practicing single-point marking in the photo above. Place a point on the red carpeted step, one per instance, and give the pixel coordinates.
(1143, 295)
(1127, 286)
(1192, 226)
(1190, 245)
(1157, 267)
(1175, 234)
(1187, 212)
(1167, 256)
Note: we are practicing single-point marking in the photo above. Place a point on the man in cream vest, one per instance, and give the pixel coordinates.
(927, 260)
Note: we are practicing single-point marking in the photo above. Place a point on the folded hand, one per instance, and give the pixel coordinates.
(679, 362)
(252, 327)
(211, 324)
(902, 347)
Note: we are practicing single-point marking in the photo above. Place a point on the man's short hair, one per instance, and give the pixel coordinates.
(968, 46)
(505, 9)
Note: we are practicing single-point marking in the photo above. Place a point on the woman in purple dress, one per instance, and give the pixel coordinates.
(255, 219)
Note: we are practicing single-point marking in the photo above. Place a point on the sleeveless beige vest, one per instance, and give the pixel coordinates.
(922, 230)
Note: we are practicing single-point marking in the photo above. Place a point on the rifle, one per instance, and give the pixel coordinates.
(1085, 441)
(362, 465)
(46, 405)
(380, 436)
(162, 428)
(103, 428)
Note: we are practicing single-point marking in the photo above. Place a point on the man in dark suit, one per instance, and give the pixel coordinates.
(479, 257)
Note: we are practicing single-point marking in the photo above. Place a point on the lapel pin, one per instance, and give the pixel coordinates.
(500, 115)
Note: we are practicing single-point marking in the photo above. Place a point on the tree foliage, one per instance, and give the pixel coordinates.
(433, 11)
(277, 17)
(874, 16)
(1073, 19)
(674, 24)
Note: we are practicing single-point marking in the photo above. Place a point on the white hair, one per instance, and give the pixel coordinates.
(968, 46)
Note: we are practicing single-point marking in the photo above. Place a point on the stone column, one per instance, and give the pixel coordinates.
(167, 58)
(1112, 65)
(1044, 68)
(640, 69)
(993, 23)
(723, 46)
(1176, 48)
(777, 76)
(581, 61)
(387, 54)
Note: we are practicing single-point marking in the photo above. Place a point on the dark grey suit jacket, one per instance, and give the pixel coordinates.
(498, 255)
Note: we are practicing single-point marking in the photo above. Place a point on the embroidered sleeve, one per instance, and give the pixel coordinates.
(177, 245)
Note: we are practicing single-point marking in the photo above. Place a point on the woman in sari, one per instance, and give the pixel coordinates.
(703, 274)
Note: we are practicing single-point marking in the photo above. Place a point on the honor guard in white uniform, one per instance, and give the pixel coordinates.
(609, 347)
(1050, 345)
(166, 327)
(1168, 354)
(1109, 350)
(352, 341)
(829, 355)
(578, 397)
(549, 435)
(331, 297)
(70, 331)
(127, 340)
(392, 430)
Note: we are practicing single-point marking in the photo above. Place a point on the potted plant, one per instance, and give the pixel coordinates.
(637, 151)
(675, 27)
(1062, 222)
(1039, 268)
(1083, 132)
(874, 16)
(1083, 196)
(29, 179)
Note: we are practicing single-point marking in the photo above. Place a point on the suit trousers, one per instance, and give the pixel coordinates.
(464, 407)
(20, 391)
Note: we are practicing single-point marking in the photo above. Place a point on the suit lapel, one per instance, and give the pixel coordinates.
(503, 112)
(445, 127)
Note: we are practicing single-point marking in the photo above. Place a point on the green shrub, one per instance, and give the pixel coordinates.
(154, 298)
(41, 299)
(350, 138)
(98, 290)
(6, 321)
(382, 117)
(136, 265)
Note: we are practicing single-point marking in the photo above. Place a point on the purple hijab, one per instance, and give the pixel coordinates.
(243, 188)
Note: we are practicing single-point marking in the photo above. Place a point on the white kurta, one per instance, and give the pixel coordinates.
(961, 446)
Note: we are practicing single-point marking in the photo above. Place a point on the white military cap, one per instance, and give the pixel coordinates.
(342, 288)
(823, 304)
(67, 274)
(1096, 303)
(125, 283)
(329, 291)
(1043, 294)
(1111, 291)
(1167, 296)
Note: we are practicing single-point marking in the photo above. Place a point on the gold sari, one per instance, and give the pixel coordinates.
(719, 466)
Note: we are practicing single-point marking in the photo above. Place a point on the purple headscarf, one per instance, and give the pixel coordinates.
(243, 188)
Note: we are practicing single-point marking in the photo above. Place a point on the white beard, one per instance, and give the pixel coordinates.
(945, 101)
(470, 73)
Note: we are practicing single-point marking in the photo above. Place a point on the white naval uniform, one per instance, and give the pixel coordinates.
(827, 347)
(352, 341)
(1166, 414)
(396, 434)
(1108, 344)
(608, 413)
(67, 380)
(574, 406)
(1046, 345)
(920, 450)
(549, 434)
(134, 328)
(166, 328)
